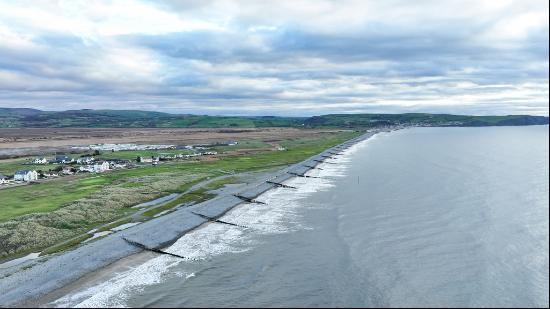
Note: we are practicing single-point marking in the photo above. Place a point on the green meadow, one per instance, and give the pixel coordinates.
(66, 207)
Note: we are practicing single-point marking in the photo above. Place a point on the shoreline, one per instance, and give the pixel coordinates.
(60, 272)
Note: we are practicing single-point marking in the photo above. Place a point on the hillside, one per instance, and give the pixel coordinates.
(33, 118)
(373, 120)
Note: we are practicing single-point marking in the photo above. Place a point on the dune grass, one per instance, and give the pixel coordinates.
(34, 217)
(53, 194)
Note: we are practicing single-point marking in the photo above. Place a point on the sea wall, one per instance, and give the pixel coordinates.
(60, 270)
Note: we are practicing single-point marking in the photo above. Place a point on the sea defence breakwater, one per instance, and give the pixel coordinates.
(28, 284)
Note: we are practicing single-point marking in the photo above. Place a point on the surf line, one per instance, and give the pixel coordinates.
(144, 247)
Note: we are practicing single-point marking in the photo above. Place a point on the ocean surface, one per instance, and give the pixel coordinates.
(416, 217)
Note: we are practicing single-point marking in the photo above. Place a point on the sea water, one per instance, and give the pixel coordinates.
(416, 217)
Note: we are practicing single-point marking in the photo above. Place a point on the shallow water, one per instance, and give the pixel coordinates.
(419, 217)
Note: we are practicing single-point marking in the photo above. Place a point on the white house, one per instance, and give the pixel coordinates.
(100, 167)
(86, 168)
(50, 174)
(25, 175)
(61, 159)
(40, 161)
(118, 163)
(85, 160)
(145, 159)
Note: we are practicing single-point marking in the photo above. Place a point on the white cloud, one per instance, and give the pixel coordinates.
(124, 65)
(478, 56)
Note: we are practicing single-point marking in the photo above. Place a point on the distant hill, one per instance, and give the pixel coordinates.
(33, 118)
(370, 120)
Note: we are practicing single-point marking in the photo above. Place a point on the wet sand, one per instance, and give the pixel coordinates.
(91, 279)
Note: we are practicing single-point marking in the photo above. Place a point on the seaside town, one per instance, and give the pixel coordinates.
(60, 165)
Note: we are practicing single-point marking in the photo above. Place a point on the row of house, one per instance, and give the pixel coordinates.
(169, 157)
(98, 167)
(58, 159)
(88, 164)
(206, 146)
(93, 167)
(103, 166)
(23, 175)
(86, 160)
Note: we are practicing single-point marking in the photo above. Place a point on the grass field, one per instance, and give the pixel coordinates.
(10, 166)
(50, 195)
(46, 196)
(36, 216)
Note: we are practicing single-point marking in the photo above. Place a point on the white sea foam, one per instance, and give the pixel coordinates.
(278, 215)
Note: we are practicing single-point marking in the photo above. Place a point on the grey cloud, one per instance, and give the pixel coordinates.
(290, 69)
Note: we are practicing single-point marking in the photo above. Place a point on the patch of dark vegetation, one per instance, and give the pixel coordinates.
(86, 118)
(420, 119)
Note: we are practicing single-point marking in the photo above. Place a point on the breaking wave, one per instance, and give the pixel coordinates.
(278, 215)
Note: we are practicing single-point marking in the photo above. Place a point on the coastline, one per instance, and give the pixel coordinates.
(29, 285)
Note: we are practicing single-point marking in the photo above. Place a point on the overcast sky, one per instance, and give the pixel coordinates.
(276, 57)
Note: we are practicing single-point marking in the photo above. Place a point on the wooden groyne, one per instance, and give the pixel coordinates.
(302, 175)
(247, 199)
(144, 247)
(60, 270)
(211, 219)
(321, 161)
(313, 167)
(281, 185)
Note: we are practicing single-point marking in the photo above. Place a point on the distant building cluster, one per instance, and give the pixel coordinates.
(65, 165)
(170, 157)
(25, 175)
